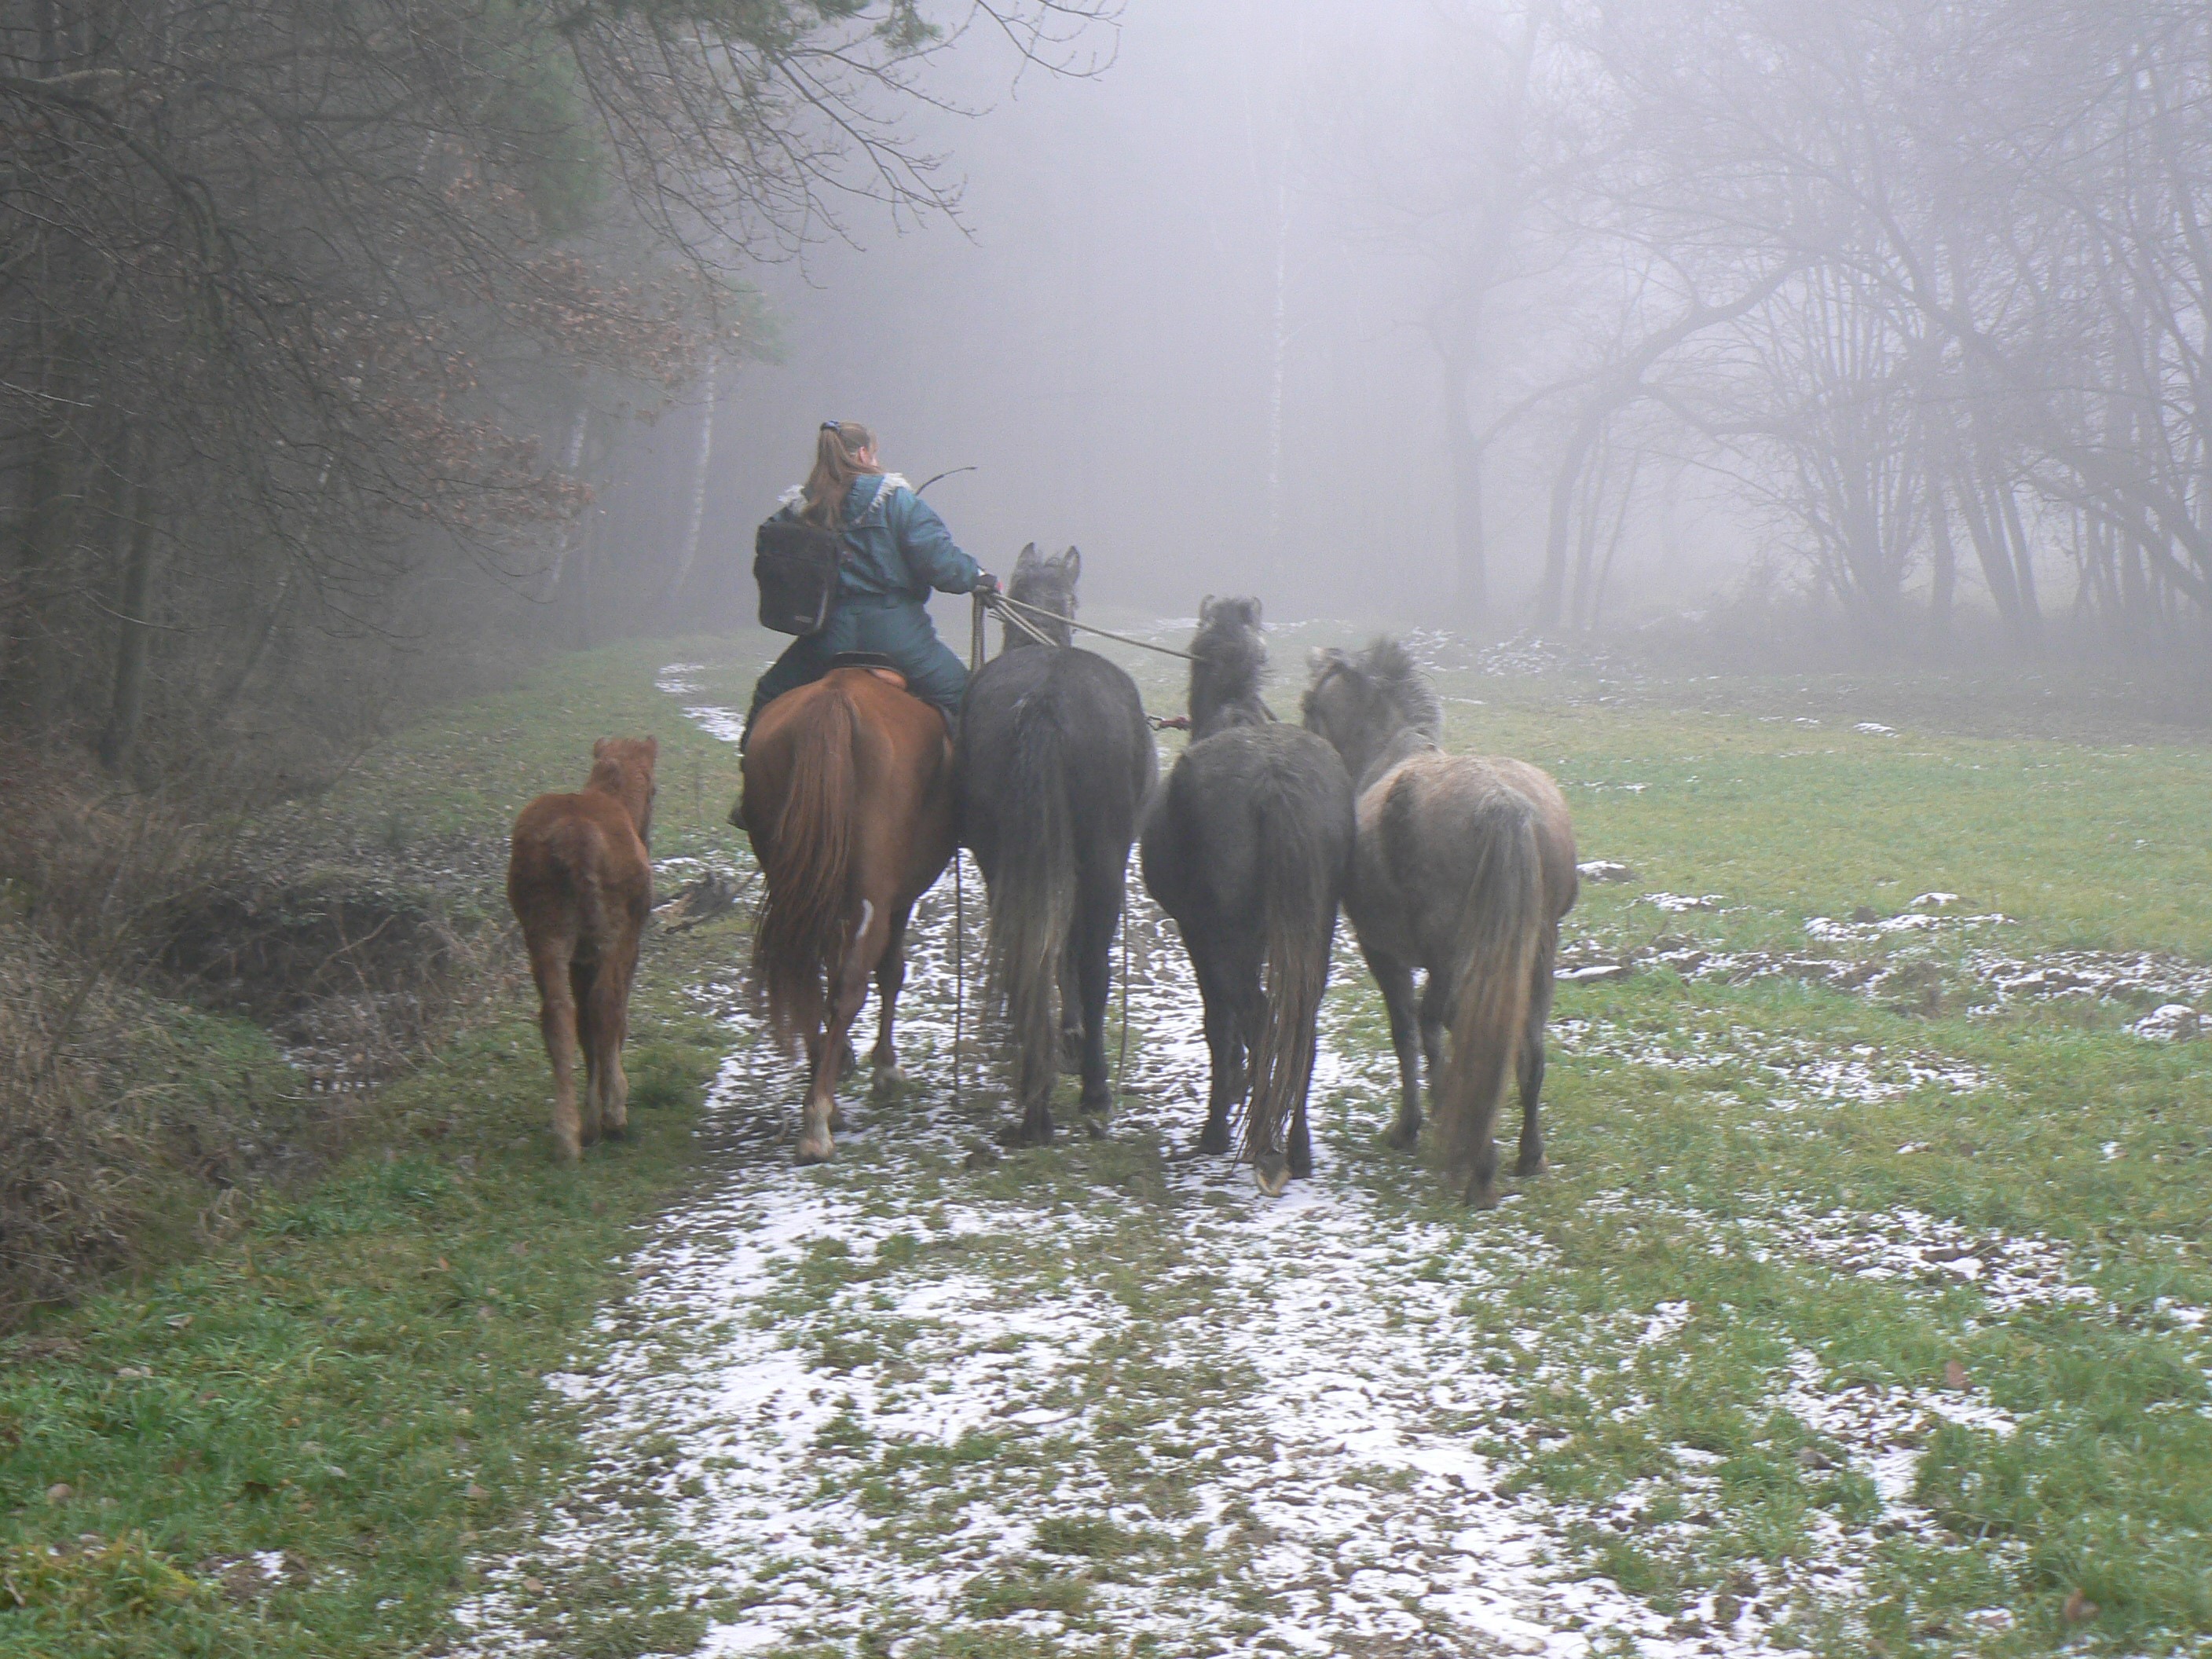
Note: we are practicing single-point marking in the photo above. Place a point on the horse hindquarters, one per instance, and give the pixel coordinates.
(1498, 949)
(1302, 827)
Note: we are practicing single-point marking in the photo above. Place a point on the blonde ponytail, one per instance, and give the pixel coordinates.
(837, 451)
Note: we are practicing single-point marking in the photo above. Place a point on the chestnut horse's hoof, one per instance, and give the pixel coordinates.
(1527, 1168)
(1271, 1173)
(568, 1150)
(1213, 1139)
(839, 1123)
(1402, 1136)
(888, 1084)
(814, 1149)
(1026, 1133)
(1479, 1194)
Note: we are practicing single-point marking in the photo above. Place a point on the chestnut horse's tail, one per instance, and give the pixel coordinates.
(1501, 932)
(801, 931)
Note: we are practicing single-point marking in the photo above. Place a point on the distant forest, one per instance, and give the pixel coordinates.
(332, 332)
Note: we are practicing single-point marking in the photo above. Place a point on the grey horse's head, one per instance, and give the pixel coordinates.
(1370, 703)
(1046, 584)
(1228, 657)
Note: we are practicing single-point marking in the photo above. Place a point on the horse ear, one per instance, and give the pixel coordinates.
(1027, 558)
(600, 748)
(1072, 562)
(1206, 610)
(652, 748)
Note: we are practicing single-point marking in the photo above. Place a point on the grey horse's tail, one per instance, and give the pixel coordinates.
(1304, 876)
(1501, 935)
(1033, 894)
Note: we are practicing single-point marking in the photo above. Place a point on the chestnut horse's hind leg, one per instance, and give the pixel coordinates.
(557, 1023)
(889, 1082)
(1396, 980)
(846, 994)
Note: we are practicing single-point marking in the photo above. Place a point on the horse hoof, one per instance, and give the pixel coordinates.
(568, 1150)
(814, 1149)
(1097, 1126)
(888, 1084)
(839, 1123)
(1402, 1137)
(1026, 1133)
(1271, 1173)
(1213, 1140)
(1528, 1168)
(1481, 1194)
(1071, 1056)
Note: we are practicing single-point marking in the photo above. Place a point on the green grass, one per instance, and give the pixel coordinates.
(354, 1379)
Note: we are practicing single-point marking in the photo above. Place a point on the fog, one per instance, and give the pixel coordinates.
(1866, 329)
(1100, 343)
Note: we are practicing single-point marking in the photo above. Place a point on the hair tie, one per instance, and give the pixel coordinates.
(830, 426)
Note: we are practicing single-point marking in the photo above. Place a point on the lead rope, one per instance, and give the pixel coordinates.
(960, 886)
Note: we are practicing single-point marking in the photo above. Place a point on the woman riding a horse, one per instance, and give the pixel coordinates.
(896, 550)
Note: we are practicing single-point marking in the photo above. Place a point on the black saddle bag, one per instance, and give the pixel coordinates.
(796, 564)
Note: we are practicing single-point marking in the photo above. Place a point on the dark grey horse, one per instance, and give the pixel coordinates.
(1249, 848)
(1053, 764)
(1465, 865)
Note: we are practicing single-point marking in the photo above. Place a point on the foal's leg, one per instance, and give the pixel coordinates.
(557, 1023)
(1531, 1161)
(888, 1083)
(610, 1002)
(1395, 981)
(584, 977)
(850, 991)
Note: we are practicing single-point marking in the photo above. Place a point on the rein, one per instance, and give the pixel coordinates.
(1001, 601)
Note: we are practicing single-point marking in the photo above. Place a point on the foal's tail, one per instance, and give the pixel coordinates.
(1033, 893)
(1303, 853)
(1501, 935)
(807, 870)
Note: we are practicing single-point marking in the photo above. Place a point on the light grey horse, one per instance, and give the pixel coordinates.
(1463, 866)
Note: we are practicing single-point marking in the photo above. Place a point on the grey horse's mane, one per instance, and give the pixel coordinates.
(1390, 669)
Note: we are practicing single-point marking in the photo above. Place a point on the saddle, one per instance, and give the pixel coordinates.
(875, 662)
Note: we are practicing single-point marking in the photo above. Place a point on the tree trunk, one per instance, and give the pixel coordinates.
(700, 474)
(1551, 593)
(118, 743)
(1943, 562)
(1471, 590)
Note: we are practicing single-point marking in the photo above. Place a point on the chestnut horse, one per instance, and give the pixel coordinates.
(581, 882)
(848, 801)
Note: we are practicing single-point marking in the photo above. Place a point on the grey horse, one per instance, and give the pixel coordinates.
(1464, 867)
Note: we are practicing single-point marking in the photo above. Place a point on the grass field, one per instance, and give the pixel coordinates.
(1862, 1311)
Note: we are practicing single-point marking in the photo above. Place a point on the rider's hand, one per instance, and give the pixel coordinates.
(987, 583)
